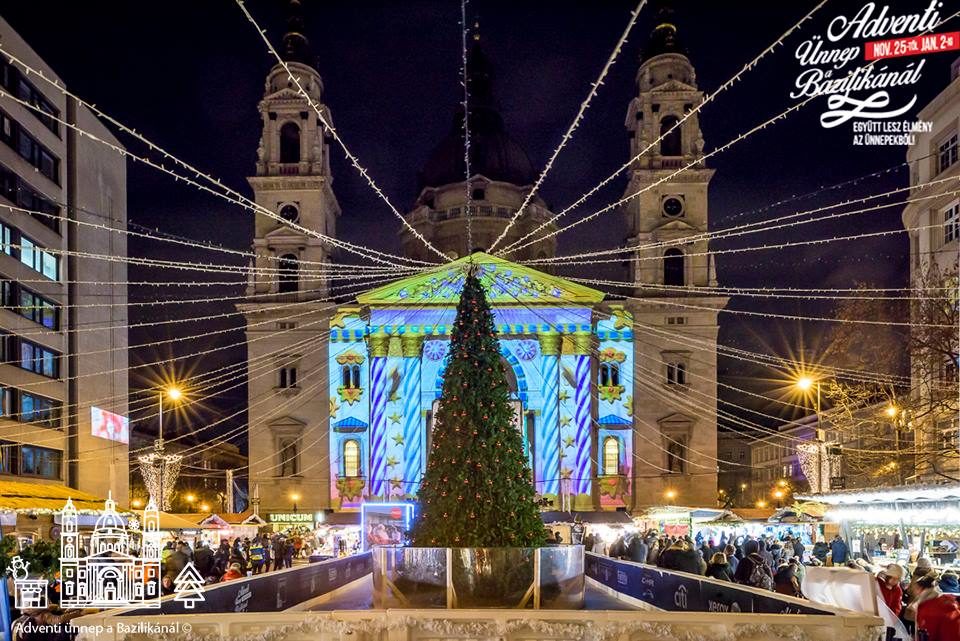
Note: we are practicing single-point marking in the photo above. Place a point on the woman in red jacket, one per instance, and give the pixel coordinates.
(888, 580)
(938, 619)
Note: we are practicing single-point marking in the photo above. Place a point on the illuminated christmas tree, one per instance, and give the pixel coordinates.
(477, 490)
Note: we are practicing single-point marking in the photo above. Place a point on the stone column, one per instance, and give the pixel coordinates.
(411, 345)
(378, 347)
(547, 453)
(582, 414)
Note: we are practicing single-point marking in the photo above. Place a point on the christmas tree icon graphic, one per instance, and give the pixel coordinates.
(188, 586)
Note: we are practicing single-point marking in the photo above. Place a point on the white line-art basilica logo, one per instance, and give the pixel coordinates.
(115, 572)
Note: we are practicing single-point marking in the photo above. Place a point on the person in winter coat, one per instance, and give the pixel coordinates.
(653, 555)
(288, 552)
(838, 550)
(637, 550)
(938, 619)
(681, 556)
(819, 552)
(256, 555)
(732, 560)
(277, 552)
(923, 589)
(753, 570)
(233, 572)
(177, 560)
(949, 583)
(719, 568)
(203, 560)
(785, 581)
(888, 582)
(798, 548)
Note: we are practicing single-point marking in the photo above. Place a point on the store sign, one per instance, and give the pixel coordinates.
(291, 518)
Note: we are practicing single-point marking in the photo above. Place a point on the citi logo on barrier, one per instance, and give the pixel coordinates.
(621, 577)
(114, 573)
(680, 597)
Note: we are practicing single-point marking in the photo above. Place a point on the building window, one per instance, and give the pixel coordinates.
(951, 223)
(676, 373)
(289, 143)
(38, 309)
(675, 457)
(289, 274)
(611, 455)
(609, 374)
(40, 461)
(288, 377)
(21, 194)
(286, 325)
(39, 359)
(289, 457)
(676, 320)
(949, 431)
(38, 259)
(478, 194)
(6, 239)
(947, 153)
(14, 82)
(40, 410)
(673, 268)
(351, 458)
(670, 142)
(29, 149)
(350, 377)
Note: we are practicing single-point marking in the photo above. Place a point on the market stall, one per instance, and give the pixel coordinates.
(337, 534)
(608, 526)
(231, 525)
(675, 520)
(898, 524)
(31, 511)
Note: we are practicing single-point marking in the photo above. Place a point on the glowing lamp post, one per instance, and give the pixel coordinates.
(295, 497)
(160, 469)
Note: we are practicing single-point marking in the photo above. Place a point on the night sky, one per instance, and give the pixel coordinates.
(189, 75)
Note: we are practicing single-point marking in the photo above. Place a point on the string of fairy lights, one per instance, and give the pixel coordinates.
(568, 135)
(389, 266)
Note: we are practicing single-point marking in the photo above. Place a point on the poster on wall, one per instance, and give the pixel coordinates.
(385, 523)
(110, 426)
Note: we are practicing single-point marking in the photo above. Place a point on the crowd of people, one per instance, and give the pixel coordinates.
(234, 559)
(926, 601)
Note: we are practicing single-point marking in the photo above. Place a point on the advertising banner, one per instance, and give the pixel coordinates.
(110, 426)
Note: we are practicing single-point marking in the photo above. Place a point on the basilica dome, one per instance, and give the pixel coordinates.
(493, 154)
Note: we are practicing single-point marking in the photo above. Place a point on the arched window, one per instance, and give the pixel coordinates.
(611, 455)
(350, 376)
(676, 373)
(609, 374)
(289, 273)
(288, 376)
(289, 457)
(351, 458)
(670, 143)
(290, 143)
(673, 268)
(675, 456)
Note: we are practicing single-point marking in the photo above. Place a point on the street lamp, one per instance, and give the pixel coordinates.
(137, 503)
(295, 497)
(778, 494)
(805, 383)
(761, 503)
(670, 495)
(174, 393)
(204, 507)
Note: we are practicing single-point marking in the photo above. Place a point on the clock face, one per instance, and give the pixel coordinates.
(672, 207)
(290, 213)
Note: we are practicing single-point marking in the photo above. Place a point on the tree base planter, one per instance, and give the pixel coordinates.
(538, 578)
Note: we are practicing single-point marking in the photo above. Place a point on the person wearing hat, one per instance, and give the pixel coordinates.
(233, 572)
(888, 580)
(950, 583)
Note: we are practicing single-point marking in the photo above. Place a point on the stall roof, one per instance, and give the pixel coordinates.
(609, 517)
(901, 493)
(170, 521)
(234, 518)
(18, 496)
(753, 513)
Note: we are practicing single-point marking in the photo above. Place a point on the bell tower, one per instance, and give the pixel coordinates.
(674, 314)
(293, 176)
(286, 310)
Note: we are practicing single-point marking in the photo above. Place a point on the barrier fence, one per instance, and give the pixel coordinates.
(679, 591)
(270, 592)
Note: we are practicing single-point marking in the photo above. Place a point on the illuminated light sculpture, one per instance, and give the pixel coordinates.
(160, 471)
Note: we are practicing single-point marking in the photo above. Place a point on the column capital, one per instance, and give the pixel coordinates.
(549, 343)
(411, 344)
(582, 343)
(378, 343)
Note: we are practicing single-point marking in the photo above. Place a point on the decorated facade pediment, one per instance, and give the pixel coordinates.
(674, 85)
(505, 283)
